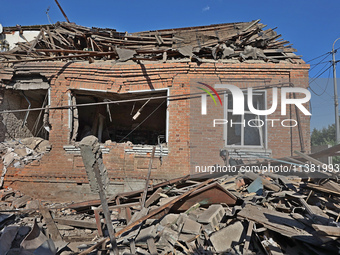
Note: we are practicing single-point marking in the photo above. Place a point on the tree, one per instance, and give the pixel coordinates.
(325, 136)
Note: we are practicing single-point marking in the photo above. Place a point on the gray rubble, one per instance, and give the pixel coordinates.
(293, 214)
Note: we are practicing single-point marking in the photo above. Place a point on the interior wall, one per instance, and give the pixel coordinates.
(11, 126)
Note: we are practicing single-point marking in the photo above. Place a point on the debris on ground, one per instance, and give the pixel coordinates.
(248, 213)
(23, 151)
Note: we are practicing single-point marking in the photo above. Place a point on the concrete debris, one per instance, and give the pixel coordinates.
(221, 51)
(278, 220)
(91, 154)
(191, 227)
(212, 217)
(251, 52)
(169, 219)
(24, 151)
(224, 239)
(256, 186)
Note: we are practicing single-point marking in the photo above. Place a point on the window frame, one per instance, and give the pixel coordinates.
(167, 90)
(264, 127)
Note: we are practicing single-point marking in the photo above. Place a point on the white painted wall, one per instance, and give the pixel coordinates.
(15, 37)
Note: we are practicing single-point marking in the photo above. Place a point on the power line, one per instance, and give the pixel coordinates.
(314, 78)
(324, 91)
(320, 63)
(171, 98)
(327, 53)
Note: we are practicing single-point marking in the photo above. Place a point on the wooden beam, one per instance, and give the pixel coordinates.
(148, 176)
(309, 158)
(327, 230)
(153, 197)
(149, 215)
(76, 223)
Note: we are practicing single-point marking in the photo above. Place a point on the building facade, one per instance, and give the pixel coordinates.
(132, 102)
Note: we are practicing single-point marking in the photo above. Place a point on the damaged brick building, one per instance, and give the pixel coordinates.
(133, 92)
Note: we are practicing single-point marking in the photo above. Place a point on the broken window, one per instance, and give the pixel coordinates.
(248, 129)
(23, 124)
(136, 117)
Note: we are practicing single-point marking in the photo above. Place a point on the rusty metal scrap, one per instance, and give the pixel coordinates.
(68, 41)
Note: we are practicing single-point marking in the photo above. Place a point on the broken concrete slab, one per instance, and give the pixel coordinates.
(191, 227)
(21, 202)
(8, 158)
(256, 186)
(186, 237)
(22, 152)
(224, 239)
(169, 219)
(167, 236)
(186, 51)
(145, 234)
(212, 216)
(125, 54)
(180, 221)
(33, 204)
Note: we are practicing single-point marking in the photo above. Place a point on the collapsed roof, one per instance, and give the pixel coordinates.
(222, 42)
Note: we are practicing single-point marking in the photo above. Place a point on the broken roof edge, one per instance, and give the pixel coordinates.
(113, 69)
(239, 42)
(191, 27)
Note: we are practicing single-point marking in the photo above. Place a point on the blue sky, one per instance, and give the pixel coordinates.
(310, 25)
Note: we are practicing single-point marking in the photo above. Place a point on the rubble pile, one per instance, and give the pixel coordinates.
(23, 151)
(248, 213)
(230, 41)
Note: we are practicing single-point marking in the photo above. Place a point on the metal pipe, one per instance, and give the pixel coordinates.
(336, 104)
(62, 11)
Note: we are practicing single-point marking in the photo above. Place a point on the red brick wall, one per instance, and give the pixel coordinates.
(192, 139)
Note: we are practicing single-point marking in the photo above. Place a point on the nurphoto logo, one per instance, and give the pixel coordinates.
(238, 103)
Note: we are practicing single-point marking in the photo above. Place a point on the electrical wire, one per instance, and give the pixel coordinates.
(142, 122)
(170, 98)
(324, 91)
(319, 74)
(317, 84)
(320, 63)
(327, 53)
(322, 71)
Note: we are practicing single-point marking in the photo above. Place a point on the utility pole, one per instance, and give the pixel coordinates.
(337, 131)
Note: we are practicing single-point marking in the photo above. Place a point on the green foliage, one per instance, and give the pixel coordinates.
(325, 136)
